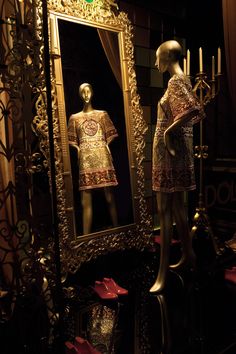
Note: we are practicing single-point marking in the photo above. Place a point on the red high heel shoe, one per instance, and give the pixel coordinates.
(71, 348)
(113, 287)
(84, 347)
(103, 292)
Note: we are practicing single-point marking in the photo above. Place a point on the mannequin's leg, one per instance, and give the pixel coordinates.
(86, 201)
(164, 205)
(181, 219)
(111, 205)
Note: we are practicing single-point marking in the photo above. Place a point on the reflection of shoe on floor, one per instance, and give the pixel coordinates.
(84, 347)
(114, 287)
(70, 348)
(230, 275)
(157, 239)
(103, 291)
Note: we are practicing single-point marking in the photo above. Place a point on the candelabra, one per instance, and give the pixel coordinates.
(205, 90)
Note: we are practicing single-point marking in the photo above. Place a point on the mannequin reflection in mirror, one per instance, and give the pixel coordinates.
(173, 165)
(90, 132)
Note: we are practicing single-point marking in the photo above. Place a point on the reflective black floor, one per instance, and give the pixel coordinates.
(195, 314)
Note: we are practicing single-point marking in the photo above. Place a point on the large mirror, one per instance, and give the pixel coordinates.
(99, 141)
(101, 189)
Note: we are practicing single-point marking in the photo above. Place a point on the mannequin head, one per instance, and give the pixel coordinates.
(86, 92)
(167, 55)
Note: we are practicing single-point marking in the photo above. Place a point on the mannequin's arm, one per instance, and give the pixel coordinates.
(75, 146)
(178, 123)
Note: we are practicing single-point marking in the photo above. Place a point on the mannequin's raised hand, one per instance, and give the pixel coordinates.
(169, 143)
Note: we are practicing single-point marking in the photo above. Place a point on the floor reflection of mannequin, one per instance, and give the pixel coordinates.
(173, 166)
(90, 132)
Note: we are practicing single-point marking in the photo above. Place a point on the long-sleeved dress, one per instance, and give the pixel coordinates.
(175, 173)
(92, 132)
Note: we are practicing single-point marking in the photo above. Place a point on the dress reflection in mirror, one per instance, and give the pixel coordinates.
(173, 164)
(90, 132)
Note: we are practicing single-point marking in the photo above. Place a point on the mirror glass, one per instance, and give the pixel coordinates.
(84, 60)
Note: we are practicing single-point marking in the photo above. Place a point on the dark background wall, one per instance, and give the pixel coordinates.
(194, 24)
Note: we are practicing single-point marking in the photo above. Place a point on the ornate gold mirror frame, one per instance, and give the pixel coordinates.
(76, 249)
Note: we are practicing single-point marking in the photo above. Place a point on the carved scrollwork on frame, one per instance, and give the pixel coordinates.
(135, 231)
(22, 165)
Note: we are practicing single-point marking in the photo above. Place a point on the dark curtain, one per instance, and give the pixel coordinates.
(110, 45)
(229, 12)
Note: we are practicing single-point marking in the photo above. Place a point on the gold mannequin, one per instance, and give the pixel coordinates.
(92, 124)
(174, 128)
(86, 200)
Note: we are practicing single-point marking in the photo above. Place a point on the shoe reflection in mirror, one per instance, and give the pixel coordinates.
(114, 287)
(103, 292)
(84, 347)
(70, 348)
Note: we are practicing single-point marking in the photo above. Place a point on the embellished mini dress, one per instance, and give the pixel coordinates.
(175, 173)
(92, 132)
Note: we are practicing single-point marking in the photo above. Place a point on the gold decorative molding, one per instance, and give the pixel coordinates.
(75, 250)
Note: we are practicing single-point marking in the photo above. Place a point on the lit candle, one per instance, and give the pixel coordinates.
(200, 60)
(188, 62)
(9, 36)
(52, 34)
(22, 12)
(185, 71)
(16, 6)
(219, 61)
(213, 67)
